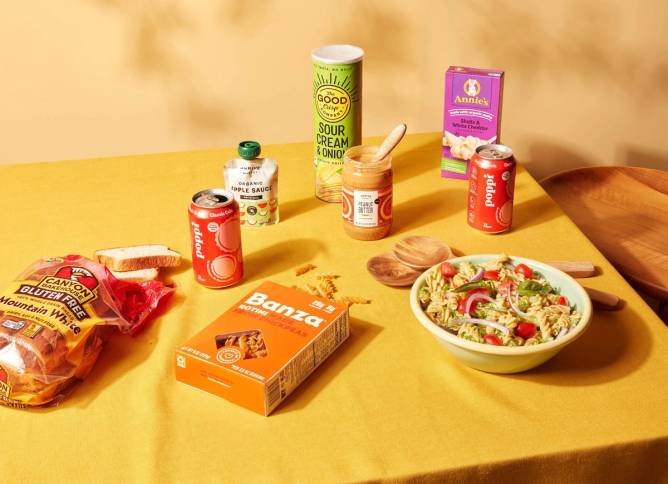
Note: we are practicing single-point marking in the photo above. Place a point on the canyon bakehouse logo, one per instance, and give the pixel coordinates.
(78, 274)
(78, 282)
(73, 286)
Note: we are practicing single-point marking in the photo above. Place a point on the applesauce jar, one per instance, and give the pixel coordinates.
(367, 194)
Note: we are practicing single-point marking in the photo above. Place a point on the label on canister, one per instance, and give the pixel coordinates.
(337, 113)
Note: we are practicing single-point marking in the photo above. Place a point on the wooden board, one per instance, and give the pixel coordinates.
(624, 212)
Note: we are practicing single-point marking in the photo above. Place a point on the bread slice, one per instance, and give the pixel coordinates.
(139, 275)
(138, 257)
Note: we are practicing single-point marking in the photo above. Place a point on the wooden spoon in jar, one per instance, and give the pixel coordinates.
(390, 142)
(421, 252)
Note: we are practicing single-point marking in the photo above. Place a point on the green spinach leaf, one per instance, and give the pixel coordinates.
(474, 285)
(531, 288)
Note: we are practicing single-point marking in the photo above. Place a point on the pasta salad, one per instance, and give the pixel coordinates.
(497, 303)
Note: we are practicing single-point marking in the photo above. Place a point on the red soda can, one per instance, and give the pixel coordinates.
(215, 234)
(491, 188)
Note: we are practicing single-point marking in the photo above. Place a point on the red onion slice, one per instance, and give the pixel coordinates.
(477, 276)
(515, 307)
(482, 322)
(476, 296)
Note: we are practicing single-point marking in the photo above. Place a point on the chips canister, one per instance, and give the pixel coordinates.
(337, 113)
(491, 188)
(215, 234)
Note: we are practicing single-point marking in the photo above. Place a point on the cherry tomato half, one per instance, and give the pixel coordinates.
(525, 330)
(492, 339)
(448, 270)
(562, 301)
(461, 307)
(525, 270)
(491, 275)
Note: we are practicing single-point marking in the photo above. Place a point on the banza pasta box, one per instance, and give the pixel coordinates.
(258, 351)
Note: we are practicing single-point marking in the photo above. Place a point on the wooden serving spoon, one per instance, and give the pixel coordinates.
(390, 142)
(584, 268)
(421, 252)
(389, 271)
(574, 268)
(602, 299)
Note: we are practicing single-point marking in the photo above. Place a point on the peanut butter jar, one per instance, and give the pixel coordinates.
(367, 194)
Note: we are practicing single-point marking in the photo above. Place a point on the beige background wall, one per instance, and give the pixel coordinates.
(587, 82)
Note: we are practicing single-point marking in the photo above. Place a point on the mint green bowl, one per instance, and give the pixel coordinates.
(507, 359)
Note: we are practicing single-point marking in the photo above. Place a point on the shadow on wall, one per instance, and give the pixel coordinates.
(384, 32)
(155, 30)
(635, 156)
(381, 31)
(586, 40)
(243, 14)
(578, 43)
(549, 157)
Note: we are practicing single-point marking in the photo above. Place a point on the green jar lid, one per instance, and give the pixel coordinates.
(249, 149)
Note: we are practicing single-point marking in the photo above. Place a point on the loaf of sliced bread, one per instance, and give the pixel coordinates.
(138, 257)
(139, 275)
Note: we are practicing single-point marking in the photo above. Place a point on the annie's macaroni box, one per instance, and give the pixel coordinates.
(471, 116)
(258, 351)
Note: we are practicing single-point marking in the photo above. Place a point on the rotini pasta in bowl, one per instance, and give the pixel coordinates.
(500, 314)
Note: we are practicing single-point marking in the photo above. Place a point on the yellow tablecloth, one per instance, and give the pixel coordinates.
(390, 404)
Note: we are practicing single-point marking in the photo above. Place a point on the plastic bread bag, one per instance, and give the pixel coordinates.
(54, 321)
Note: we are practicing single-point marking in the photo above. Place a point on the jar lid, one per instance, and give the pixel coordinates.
(249, 149)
